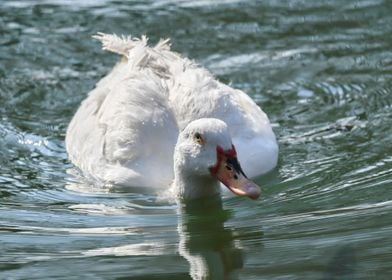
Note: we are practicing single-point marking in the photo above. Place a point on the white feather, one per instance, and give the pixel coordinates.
(126, 130)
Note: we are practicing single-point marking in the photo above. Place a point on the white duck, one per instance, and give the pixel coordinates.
(159, 118)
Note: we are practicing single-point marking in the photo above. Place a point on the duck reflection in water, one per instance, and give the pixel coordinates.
(205, 242)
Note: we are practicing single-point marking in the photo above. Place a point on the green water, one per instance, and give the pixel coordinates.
(322, 72)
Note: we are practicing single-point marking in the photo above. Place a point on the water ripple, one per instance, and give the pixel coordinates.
(325, 82)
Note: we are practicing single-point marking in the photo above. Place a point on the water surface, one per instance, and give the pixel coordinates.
(322, 72)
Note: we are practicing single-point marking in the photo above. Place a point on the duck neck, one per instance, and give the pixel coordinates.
(189, 186)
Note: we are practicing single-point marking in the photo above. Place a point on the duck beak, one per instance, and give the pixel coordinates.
(228, 171)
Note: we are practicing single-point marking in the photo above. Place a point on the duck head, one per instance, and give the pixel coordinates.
(204, 155)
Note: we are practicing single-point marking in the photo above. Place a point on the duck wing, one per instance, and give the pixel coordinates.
(124, 133)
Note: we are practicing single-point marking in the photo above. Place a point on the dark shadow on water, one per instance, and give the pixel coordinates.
(342, 266)
(205, 242)
(166, 276)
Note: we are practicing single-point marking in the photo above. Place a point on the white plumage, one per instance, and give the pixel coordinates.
(126, 130)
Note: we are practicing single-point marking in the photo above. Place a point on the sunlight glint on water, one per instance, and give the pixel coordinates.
(320, 69)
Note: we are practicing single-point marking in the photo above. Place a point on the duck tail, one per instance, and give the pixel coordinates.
(120, 45)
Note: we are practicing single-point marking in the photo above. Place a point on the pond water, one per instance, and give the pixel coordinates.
(320, 69)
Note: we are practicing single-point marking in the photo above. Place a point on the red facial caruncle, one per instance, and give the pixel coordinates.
(228, 171)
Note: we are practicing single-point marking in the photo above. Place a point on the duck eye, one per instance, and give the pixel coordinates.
(198, 139)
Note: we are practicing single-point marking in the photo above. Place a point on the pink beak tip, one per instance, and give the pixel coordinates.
(253, 191)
